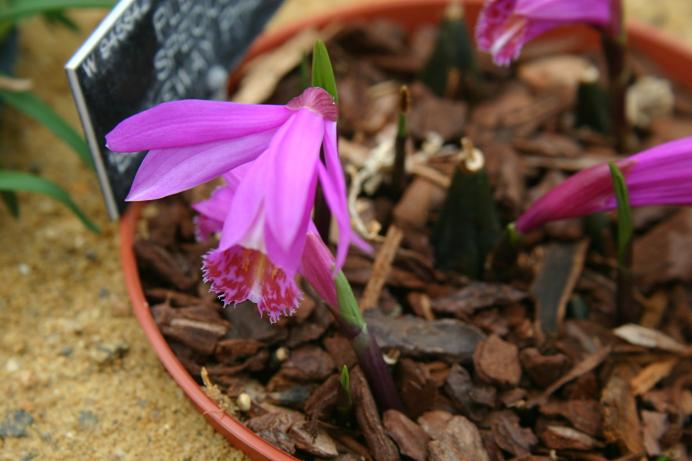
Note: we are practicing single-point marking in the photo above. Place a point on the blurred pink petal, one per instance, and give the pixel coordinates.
(505, 26)
(658, 176)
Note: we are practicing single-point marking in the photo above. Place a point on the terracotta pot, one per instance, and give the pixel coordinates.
(671, 56)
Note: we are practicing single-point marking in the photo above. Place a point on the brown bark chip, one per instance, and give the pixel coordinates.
(562, 438)
(411, 439)
(461, 441)
(509, 435)
(308, 363)
(620, 419)
(368, 418)
(497, 361)
(664, 253)
(418, 389)
(543, 369)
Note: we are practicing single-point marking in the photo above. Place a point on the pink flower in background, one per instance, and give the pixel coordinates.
(245, 271)
(505, 26)
(270, 158)
(658, 176)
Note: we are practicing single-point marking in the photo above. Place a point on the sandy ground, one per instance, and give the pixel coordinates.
(77, 377)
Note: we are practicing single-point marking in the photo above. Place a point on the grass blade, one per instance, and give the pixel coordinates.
(10, 200)
(30, 104)
(19, 181)
(27, 8)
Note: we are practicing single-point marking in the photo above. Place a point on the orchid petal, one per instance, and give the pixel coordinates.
(244, 222)
(317, 266)
(192, 121)
(169, 171)
(658, 176)
(294, 154)
(566, 11)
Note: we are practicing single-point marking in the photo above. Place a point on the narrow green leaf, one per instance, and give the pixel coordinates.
(345, 380)
(19, 181)
(61, 17)
(322, 71)
(625, 226)
(28, 103)
(345, 399)
(349, 312)
(11, 202)
(27, 8)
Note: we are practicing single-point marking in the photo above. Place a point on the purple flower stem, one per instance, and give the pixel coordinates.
(627, 308)
(614, 43)
(375, 369)
(352, 325)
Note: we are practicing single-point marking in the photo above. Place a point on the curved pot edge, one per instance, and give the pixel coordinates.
(239, 435)
(673, 57)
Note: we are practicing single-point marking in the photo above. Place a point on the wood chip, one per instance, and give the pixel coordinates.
(382, 267)
(411, 439)
(647, 337)
(563, 438)
(368, 418)
(509, 435)
(497, 361)
(620, 419)
(647, 378)
(460, 441)
(587, 364)
(553, 286)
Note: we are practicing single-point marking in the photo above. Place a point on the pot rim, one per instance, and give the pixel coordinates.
(673, 57)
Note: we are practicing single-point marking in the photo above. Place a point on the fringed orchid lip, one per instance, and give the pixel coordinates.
(658, 176)
(239, 274)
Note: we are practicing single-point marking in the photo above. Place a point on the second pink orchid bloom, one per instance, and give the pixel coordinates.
(505, 26)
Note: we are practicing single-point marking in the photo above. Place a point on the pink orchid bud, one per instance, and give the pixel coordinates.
(658, 176)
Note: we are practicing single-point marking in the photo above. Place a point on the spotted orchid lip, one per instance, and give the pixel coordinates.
(317, 100)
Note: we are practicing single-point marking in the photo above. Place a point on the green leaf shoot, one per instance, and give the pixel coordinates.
(31, 105)
(18, 181)
(322, 71)
(349, 312)
(624, 212)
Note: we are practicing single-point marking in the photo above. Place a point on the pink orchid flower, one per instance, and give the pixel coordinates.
(658, 176)
(245, 272)
(505, 26)
(274, 152)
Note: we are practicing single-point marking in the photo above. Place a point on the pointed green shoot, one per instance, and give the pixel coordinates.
(349, 312)
(345, 385)
(322, 71)
(19, 181)
(30, 104)
(625, 226)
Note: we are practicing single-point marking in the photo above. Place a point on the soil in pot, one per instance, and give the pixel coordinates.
(519, 364)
